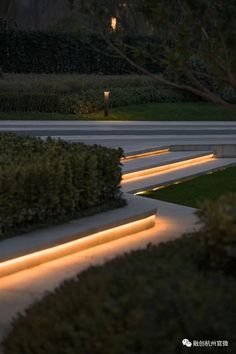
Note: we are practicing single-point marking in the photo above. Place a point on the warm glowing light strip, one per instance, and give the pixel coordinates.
(145, 154)
(135, 175)
(154, 189)
(34, 259)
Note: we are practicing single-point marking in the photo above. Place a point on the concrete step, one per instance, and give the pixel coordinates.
(175, 175)
(20, 290)
(147, 165)
(132, 155)
(44, 245)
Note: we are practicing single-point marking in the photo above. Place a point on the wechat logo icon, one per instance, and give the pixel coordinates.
(187, 343)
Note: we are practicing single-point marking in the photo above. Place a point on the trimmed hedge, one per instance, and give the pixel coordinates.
(70, 83)
(146, 302)
(60, 52)
(44, 183)
(17, 102)
(86, 102)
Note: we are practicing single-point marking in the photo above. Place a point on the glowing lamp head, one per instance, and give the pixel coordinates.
(106, 95)
(114, 23)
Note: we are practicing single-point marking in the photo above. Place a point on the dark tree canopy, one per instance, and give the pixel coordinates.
(196, 40)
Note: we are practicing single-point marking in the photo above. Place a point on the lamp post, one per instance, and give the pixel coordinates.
(106, 103)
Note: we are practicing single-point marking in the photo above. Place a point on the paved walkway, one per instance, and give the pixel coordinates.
(131, 136)
(20, 290)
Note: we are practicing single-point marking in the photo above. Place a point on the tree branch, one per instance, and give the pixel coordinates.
(207, 95)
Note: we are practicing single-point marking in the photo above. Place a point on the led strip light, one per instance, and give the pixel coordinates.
(145, 154)
(36, 258)
(128, 177)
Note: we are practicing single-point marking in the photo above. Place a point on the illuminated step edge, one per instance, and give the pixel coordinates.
(169, 166)
(34, 259)
(21, 252)
(145, 153)
(155, 181)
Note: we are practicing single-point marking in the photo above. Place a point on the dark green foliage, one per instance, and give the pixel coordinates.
(44, 183)
(87, 101)
(17, 102)
(190, 111)
(58, 52)
(70, 83)
(142, 303)
(218, 234)
(186, 33)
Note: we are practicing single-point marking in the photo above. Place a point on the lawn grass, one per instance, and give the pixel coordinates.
(199, 111)
(145, 302)
(196, 111)
(193, 192)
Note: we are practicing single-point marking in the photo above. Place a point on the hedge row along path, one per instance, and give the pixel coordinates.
(21, 290)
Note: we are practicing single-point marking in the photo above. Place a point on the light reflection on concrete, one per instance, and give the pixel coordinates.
(20, 290)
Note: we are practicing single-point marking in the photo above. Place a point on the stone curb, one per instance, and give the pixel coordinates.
(220, 150)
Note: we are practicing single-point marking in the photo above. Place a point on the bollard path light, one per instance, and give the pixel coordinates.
(106, 103)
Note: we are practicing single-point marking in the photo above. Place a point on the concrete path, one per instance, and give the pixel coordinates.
(114, 125)
(131, 136)
(20, 290)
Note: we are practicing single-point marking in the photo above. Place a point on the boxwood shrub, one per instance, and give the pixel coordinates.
(70, 83)
(146, 302)
(86, 102)
(65, 52)
(49, 182)
(218, 234)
